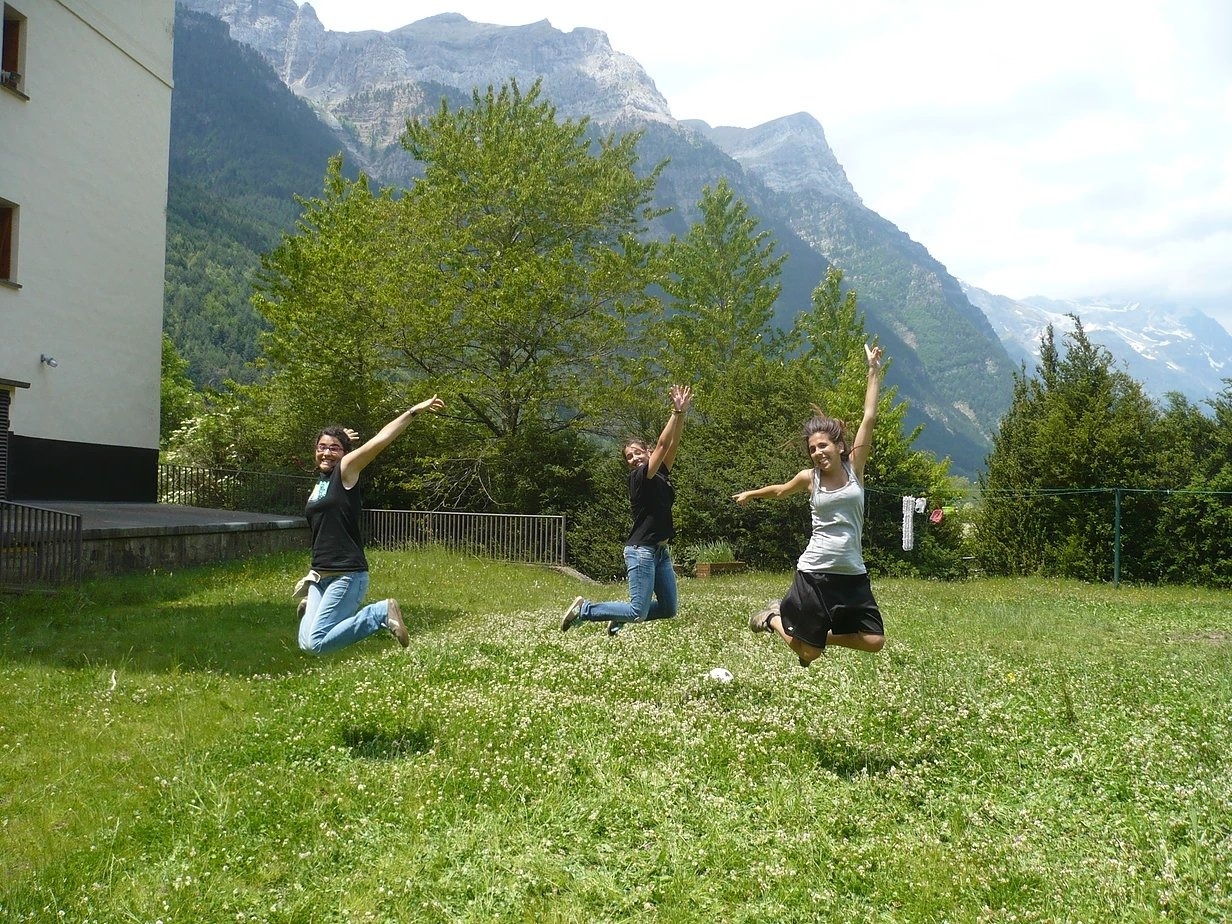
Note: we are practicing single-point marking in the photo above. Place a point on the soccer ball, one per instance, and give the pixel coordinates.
(721, 674)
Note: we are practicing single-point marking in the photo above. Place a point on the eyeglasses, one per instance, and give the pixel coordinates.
(330, 448)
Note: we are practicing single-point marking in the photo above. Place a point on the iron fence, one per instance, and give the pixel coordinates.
(529, 538)
(38, 546)
(233, 489)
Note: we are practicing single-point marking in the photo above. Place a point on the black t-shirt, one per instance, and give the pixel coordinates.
(650, 500)
(333, 516)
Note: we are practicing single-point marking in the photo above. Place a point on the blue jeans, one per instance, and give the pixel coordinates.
(331, 621)
(650, 574)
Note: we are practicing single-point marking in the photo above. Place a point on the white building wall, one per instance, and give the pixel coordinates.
(84, 156)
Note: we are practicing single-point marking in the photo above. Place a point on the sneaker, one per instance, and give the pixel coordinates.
(572, 614)
(613, 628)
(760, 621)
(395, 625)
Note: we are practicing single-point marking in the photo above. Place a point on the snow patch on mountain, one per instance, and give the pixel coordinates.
(1164, 348)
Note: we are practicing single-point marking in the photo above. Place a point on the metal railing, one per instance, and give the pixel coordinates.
(233, 489)
(531, 538)
(521, 537)
(38, 546)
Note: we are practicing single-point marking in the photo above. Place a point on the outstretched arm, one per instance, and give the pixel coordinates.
(863, 444)
(802, 482)
(669, 440)
(359, 458)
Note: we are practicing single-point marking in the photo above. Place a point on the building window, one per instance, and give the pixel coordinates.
(13, 50)
(8, 241)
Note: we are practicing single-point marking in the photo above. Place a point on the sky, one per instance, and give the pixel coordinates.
(1064, 148)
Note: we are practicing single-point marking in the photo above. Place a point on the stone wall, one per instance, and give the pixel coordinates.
(118, 551)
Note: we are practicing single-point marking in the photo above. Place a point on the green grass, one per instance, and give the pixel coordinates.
(1020, 751)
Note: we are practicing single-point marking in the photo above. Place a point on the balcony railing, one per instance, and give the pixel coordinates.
(38, 546)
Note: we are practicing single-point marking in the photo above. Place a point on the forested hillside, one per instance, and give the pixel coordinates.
(242, 147)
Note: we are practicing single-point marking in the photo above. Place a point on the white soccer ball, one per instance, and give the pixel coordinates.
(721, 674)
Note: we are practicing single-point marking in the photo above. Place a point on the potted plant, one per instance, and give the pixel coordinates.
(711, 558)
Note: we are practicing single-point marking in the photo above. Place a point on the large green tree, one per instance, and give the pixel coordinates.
(722, 283)
(830, 359)
(1075, 432)
(1193, 541)
(506, 279)
(178, 399)
(756, 385)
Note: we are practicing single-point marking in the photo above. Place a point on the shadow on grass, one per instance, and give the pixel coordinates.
(422, 619)
(240, 640)
(382, 744)
(848, 762)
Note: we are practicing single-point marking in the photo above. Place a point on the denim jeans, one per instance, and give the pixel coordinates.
(331, 621)
(650, 575)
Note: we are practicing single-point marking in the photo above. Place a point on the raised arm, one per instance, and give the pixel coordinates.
(802, 482)
(359, 458)
(863, 444)
(669, 440)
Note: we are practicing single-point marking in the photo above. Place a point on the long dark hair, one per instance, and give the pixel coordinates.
(832, 427)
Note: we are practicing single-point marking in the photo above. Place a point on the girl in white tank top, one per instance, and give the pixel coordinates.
(830, 601)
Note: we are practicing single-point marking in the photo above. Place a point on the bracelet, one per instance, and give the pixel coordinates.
(674, 411)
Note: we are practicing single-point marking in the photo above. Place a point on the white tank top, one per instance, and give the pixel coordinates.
(838, 528)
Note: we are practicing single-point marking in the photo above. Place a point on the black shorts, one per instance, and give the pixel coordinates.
(819, 603)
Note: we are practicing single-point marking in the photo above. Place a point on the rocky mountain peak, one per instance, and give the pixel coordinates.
(582, 75)
(790, 155)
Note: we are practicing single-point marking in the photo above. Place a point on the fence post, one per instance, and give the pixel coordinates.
(1116, 541)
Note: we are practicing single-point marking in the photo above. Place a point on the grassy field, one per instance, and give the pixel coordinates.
(1022, 750)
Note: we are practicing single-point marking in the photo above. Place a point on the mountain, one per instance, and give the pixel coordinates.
(948, 363)
(1164, 348)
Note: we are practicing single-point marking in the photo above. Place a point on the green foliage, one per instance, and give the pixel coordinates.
(170, 755)
(1193, 541)
(178, 400)
(1077, 429)
(323, 292)
(505, 280)
(718, 336)
(212, 252)
(598, 524)
(711, 552)
(524, 268)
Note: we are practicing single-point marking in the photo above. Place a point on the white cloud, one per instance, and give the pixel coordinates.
(1059, 148)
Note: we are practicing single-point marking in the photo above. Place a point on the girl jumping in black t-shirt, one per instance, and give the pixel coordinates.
(330, 615)
(652, 582)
